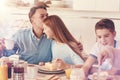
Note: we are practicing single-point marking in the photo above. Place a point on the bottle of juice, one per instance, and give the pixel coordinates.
(3, 71)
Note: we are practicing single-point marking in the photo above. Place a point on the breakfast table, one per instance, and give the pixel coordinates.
(36, 72)
(61, 76)
(21, 70)
(42, 75)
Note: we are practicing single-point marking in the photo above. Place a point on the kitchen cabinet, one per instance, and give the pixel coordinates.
(84, 4)
(97, 5)
(107, 5)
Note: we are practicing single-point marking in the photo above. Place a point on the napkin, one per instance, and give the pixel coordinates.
(49, 77)
(14, 57)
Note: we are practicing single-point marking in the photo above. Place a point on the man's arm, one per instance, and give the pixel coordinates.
(4, 51)
(7, 52)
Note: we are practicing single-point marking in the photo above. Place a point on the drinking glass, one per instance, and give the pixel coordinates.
(3, 71)
(68, 71)
(32, 71)
(77, 74)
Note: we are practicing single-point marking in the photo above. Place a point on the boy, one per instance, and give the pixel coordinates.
(105, 34)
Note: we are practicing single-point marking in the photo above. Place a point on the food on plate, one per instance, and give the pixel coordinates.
(50, 66)
(103, 75)
(93, 76)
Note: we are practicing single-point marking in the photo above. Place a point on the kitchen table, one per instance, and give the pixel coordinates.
(43, 76)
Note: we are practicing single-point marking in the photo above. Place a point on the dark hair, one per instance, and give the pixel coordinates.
(40, 5)
(105, 24)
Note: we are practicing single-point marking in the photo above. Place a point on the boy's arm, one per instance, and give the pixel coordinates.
(88, 64)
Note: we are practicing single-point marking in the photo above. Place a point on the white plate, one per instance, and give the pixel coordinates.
(42, 69)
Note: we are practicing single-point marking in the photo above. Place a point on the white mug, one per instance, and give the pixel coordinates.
(9, 44)
(32, 71)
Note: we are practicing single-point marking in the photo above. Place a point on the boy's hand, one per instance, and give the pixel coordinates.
(102, 56)
(107, 52)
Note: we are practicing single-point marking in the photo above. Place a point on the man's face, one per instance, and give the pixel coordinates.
(105, 37)
(38, 18)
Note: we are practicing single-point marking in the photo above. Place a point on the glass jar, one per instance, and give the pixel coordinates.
(3, 71)
(18, 71)
(77, 74)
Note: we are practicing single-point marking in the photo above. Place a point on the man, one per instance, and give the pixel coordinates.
(32, 44)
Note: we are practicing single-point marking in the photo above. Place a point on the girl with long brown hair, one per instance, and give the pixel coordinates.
(64, 46)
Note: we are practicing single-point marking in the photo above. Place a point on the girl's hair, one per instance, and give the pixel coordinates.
(62, 34)
(105, 24)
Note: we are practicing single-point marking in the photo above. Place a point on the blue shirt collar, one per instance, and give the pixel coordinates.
(33, 35)
(114, 43)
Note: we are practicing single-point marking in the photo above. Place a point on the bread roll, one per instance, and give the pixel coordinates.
(50, 66)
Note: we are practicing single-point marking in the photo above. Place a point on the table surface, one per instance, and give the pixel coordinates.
(41, 76)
